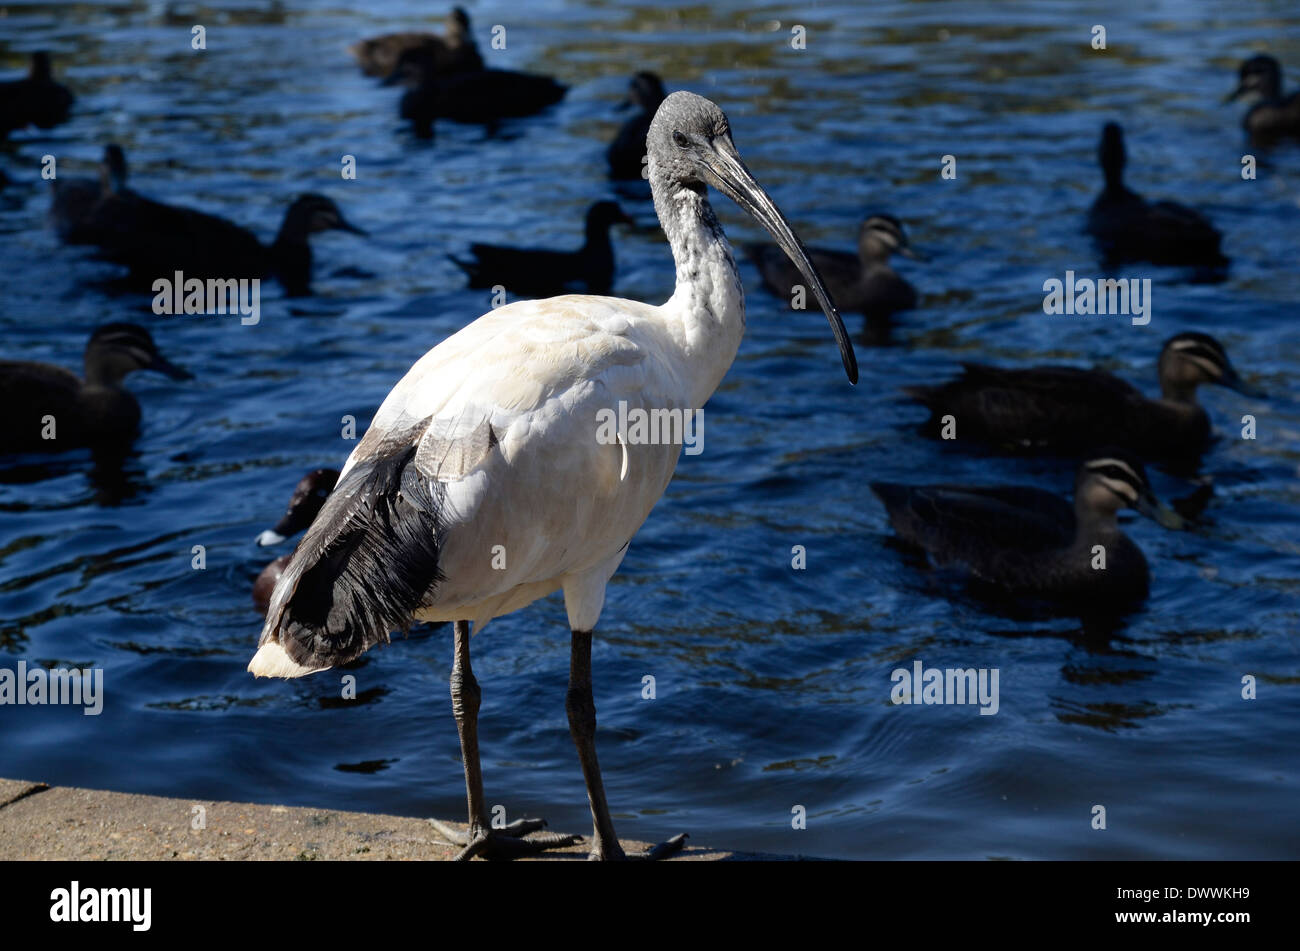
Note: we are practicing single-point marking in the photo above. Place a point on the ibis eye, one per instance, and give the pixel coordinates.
(680, 140)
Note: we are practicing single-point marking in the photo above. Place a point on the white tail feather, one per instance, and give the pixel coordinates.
(271, 660)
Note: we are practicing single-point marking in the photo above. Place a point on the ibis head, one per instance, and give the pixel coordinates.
(689, 146)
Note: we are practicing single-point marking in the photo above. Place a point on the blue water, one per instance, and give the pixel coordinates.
(772, 684)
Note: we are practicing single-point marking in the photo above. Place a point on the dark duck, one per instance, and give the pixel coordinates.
(36, 100)
(1127, 227)
(1272, 116)
(1024, 542)
(538, 272)
(74, 199)
(154, 240)
(96, 411)
(863, 283)
(452, 52)
(308, 497)
(482, 97)
(1070, 410)
(626, 154)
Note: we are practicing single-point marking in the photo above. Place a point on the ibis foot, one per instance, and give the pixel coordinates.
(508, 842)
(663, 850)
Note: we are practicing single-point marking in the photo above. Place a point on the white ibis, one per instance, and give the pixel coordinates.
(484, 484)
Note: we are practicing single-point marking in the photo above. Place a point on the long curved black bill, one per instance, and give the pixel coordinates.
(733, 179)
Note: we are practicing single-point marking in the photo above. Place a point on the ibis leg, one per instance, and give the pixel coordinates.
(507, 842)
(581, 707)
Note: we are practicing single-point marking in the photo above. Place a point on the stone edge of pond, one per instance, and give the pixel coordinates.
(42, 822)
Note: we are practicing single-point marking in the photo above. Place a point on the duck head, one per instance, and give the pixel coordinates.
(1111, 154)
(112, 170)
(312, 213)
(883, 235)
(117, 349)
(604, 214)
(1112, 479)
(457, 28)
(308, 496)
(1260, 77)
(645, 91)
(40, 70)
(1189, 359)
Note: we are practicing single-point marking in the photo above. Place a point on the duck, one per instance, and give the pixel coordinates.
(626, 154)
(1128, 228)
(153, 240)
(1063, 409)
(36, 100)
(862, 283)
(537, 272)
(1024, 542)
(73, 199)
(308, 497)
(1273, 116)
(452, 52)
(481, 97)
(96, 411)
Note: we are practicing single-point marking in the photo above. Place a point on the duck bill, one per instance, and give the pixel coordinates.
(345, 225)
(1148, 505)
(1234, 382)
(908, 251)
(730, 176)
(166, 367)
(1235, 94)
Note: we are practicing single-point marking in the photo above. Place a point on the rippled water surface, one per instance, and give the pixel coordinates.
(772, 684)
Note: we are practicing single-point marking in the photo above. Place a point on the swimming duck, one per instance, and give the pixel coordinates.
(1127, 227)
(482, 97)
(1025, 542)
(308, 496)
(73, 199)
(859, 283)
(626, 153)
(154, 240)
(534, 272)
(1272, 116)
(97, 411)
(453, 52)
(37, 100)
(1067, 409)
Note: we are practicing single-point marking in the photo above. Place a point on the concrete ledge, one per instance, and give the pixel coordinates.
(54, 822)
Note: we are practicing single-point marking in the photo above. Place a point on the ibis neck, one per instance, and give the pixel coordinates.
(706, 314)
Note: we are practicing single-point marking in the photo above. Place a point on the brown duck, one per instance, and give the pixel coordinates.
(453, 52)
(153, 240)
(36, 100)
(308, 496)
(51, 409)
